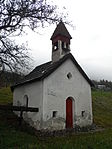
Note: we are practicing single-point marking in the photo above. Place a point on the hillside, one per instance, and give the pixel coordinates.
(9, 78)
(102, 108)
(14, 137)
(5, 95)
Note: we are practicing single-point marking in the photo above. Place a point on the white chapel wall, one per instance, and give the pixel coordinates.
(57, 88)
(34, 93)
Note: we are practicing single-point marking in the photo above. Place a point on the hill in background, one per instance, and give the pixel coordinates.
(9, 78)
(103, 85)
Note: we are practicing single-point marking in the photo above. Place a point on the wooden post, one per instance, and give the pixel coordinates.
(21, 118)
(19, 108)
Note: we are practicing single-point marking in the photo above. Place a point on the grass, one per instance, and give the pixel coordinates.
(13, 137)
(102, 108)
(5, 95)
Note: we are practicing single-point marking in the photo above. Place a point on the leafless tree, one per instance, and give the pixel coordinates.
(15, 15)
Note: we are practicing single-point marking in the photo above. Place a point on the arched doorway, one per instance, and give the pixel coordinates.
(25, 101)
(69, 112)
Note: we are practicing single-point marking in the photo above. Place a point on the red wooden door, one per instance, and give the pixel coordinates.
(69, 113)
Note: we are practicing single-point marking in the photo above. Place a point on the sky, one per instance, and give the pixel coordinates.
(91, 43)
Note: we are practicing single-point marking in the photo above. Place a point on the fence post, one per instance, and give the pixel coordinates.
(21, 117)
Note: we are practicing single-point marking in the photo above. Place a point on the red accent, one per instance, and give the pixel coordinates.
(69, 113)
(62, 38)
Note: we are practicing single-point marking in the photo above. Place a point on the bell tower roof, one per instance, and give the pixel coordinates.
(61, 30)
(60, 42)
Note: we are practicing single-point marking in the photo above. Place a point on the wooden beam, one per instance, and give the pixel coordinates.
(19, 108)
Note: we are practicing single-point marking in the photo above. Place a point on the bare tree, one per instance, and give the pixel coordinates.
(15, 15)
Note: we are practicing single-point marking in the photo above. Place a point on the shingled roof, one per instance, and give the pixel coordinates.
(44, 70)
(61, 30)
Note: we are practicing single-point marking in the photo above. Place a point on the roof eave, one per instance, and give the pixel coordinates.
(53, 69)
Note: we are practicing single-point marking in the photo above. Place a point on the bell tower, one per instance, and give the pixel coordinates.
(60, 42)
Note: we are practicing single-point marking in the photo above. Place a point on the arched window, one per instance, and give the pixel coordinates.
(55, 46)
(25, 101)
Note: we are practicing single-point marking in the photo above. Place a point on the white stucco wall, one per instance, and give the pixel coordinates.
(57, 88)
(34, 93)
(50, 95)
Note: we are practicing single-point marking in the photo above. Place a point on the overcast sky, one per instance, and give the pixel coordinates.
(91, 43)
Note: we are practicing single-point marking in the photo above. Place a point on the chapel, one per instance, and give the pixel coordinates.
(59, 88)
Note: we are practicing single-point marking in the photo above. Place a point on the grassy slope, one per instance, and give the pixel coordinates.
(5, 95)
(102, 108)
(16, 139)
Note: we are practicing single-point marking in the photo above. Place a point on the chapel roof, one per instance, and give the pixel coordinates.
(61, 30)
(44, 70)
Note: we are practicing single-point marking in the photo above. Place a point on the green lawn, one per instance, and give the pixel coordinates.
(12, 137)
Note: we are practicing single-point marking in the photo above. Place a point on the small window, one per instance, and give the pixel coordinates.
(83, 113)
(25, 101)
(55, 46)
(62, 45)
(54, 114)
(69, 75)
(67, 45)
